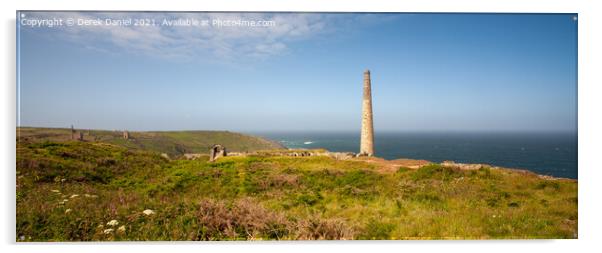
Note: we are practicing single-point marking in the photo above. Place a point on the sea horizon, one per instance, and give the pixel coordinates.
(552, 153)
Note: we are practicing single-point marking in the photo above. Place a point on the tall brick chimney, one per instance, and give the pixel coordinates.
(367, 137)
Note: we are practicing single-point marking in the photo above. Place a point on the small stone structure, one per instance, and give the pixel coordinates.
(166, 156)
(217, 151)
(76, 135)
(126, 135)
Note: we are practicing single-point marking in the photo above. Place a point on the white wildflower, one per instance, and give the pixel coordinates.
(113, 223)
(55, 191)
(68, 210)
(63, 180)
(148, 212)
(121, 229)
(90, 196)
(100, 226)
(74, 196)
(108, 231)
(65, 200)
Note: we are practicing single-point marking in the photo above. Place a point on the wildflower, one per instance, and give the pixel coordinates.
(68, 210)
(90, 196)
(108, 231)
(121, 229)
(55, 191)
(113, 223)
(148, 212)
(74, 196)
(65, 200)
(63, 180)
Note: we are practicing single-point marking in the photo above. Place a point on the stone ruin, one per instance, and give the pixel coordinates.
(75, 135)
(217, 151)
(126, 135)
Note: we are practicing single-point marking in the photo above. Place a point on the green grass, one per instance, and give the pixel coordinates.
(274, 198)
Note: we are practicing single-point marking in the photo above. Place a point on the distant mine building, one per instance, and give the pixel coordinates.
(217, 151)
(76, 135)
(126, 135)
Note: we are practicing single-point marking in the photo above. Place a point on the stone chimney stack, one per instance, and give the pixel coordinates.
(367, 138)
(72, 133)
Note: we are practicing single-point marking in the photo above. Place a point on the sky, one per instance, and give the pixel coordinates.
(302, 72)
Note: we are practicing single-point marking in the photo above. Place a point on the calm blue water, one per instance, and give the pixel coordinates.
(552, 154)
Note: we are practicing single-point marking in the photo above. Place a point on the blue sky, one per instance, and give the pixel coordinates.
(430, 72)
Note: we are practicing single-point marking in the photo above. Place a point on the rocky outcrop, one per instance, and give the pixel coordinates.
(464, 166)
(298, 153)
(193, 156)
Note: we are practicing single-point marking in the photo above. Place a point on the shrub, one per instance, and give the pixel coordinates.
(316, 228)
(436, 171)
(377, 230)
(309, 199)
(101, 175)
(242, 219)
(402, 169)
(284, 179)
(427, 197)
(547, 184)
(513, 204)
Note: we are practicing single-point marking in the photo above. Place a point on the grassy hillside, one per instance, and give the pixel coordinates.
(95, 191)
(172, 143)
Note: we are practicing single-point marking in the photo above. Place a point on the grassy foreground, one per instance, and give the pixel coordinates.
(82, 191)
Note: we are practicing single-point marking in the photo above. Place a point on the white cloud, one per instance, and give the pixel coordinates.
(208, 43)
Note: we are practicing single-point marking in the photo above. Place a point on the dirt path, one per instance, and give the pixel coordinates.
(390, 166)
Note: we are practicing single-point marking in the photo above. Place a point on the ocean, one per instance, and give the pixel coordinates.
(553, 154)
